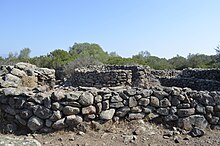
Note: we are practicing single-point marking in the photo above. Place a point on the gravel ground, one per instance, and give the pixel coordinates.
(136, 133)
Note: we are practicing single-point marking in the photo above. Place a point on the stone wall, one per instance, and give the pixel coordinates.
(26, 75)
(67, 108)
(111, 76)
(197, 79)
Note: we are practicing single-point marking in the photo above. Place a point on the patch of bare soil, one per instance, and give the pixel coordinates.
(134, 133)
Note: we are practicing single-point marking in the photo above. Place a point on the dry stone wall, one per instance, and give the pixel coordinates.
(197, 79)
(26, 75)
(39, 110)
(68, 108)
(114, 75)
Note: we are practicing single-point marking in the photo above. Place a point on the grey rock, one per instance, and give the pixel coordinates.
(207, 100)
(185, 112)
(123, 95)
(165, 103)
(73, 96)
(107, 114)
(56, 116)
(132, 102)
(8, 109)
(116, 105)
(12, 78)
(171, 117)
(69, 110)
(35, 123)
(144, 101)
(200, 109)
(20, 120)
(88, 110)
(116, 98)
(73, 120)
(56, 106)
(217, 108)
(11, 91)
(42, 112)
(173, 109)
(193, 121)
(98, 107)
(86, 99)
(140, 130)
(175, 101)
(148, 109)
(23, 66)
(17, 141)
(196, 132)
(98, 98)
(18, 72)
(136, 116)
(163, 111)
(48, 123)
(154, 101)
(136, 109)
(60, 124)
(209, 109)
(122, 112)
(57, 95)
(160, 94)
(184, 105)
(130, 92)
(70, 103)
(147, 93)
(47, 102)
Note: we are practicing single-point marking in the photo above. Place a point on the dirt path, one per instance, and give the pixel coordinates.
(132, 134)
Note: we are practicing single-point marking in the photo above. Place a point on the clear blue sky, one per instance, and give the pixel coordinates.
(163, 27)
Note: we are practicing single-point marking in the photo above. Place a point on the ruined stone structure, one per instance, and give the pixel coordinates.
(36, 108)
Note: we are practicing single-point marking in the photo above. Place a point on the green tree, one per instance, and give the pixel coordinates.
(178, 62)
(88, 50)
(59, 57)
(142, 55)
(198, 60)
(24, 54)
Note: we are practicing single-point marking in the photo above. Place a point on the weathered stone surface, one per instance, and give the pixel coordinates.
(73, 96)
(116, 98)
(35, 123)
(58, 95)
(193, 121)
(69, 110)
(136, 116)
(160, 94)
(42, 112)
(73, 120)
(98, 98)
(165, 103)
(11, 91)
(8, 109)
(148, 109)
(47, 102)
(107, 114)
(56, 115)
(144, 101)
(154, 101)
(136, 109)
(132, 102)
(18, 72)
(116, 105)
(171, 117)
(60, 124)
(130, 92)
(12, 78)
(185, 112)
(56, 106)
(86, 99)
(147, 93)
(88, 110)
(99, 108)
(122, 112)
(163, 111)
(196, 132)
(20, 120)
